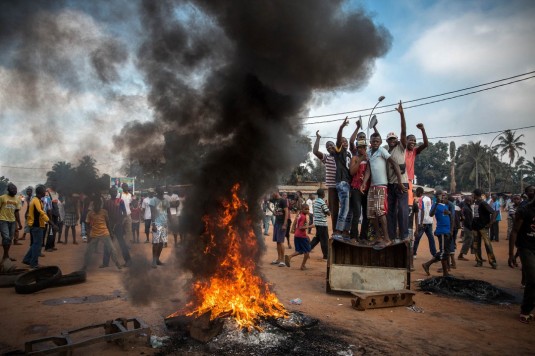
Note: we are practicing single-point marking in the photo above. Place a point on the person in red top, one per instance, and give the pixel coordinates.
(410, 156)
(135, 214)
(357, 168)
(301, 241)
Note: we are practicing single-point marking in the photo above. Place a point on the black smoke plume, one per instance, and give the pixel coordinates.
(229, 81)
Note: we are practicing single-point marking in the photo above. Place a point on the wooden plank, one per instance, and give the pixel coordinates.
(360, 278)
(365, 301)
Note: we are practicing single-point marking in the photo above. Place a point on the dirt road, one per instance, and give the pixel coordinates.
(447, 325)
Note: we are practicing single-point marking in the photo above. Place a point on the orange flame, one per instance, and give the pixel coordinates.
(235, 290)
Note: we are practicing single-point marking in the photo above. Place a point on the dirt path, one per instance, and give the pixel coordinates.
(447, 325)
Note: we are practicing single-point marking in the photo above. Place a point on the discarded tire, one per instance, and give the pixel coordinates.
(7, 279)
(37, 279)
(71, 278)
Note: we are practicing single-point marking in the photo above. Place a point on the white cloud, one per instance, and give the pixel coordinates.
(476, 45)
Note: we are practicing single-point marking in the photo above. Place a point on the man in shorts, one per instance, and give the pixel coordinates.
(10, 205)
(281, 225)
(378, 158)
(161, 214)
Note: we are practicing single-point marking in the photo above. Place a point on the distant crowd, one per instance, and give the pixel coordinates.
(50, 217)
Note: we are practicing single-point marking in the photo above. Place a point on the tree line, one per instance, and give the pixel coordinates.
(455, 169)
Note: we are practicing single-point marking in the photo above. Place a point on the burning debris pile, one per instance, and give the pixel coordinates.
(297, 334)
(235, 289)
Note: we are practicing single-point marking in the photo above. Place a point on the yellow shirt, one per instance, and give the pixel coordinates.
(98, 223)
(8, 206)
(36, 209)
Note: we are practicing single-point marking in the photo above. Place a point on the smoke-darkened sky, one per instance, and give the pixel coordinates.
(72, 73)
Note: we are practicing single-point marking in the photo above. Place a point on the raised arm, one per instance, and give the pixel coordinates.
(340, 130)
(316, 148)
(403, 135)
(424, 135)
(353, 137)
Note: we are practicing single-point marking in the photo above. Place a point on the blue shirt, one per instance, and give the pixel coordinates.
(378, 161)
(496, 206)
(443, 220)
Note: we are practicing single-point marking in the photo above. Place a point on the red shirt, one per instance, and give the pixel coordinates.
(300, 232)
(135, 213)
(410, 157)
(358, 178)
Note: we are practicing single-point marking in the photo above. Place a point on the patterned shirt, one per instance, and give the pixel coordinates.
(8, 206)
(320, 212)
(330, 170)
(161, 206)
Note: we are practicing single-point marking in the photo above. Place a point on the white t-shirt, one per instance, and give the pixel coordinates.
(145, 205)
(310, 204)
(127, 198)
(425, 208)
(181, 201)
(171, 199)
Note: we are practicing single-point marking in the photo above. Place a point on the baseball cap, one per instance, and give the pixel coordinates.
(361, 143)
(391, 135)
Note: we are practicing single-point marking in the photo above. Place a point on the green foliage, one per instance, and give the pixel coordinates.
(66, 179)
(432, 167)
(511, 145)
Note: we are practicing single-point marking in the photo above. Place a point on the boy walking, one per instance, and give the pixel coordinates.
(321, 211)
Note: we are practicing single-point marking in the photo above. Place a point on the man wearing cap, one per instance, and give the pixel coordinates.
(378, 159)
(359, 197)
(398, 203)
(330, 175)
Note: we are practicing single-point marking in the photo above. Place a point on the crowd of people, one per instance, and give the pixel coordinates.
(371, 186)
(113, 218)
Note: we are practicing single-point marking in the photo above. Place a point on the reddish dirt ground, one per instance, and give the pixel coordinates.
(447, 325)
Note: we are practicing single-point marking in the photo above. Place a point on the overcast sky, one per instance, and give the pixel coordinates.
(437, 47)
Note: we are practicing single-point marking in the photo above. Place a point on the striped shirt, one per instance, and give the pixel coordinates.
(320, 212)
(330, 170)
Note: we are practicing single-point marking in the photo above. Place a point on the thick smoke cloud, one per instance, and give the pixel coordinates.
(58, 59)
(228, 82)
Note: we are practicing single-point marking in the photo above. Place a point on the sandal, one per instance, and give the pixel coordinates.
(526, 319)
(379, 246)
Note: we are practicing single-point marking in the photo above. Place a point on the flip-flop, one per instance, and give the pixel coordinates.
(526, 319)
(379, 246)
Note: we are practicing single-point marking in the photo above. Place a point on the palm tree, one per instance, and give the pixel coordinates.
(472, 161)
(61, 177)
(511, 145)
(453, 184)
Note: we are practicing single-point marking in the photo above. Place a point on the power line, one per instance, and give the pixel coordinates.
(454, 136)
(427, 103)
(25, 167)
